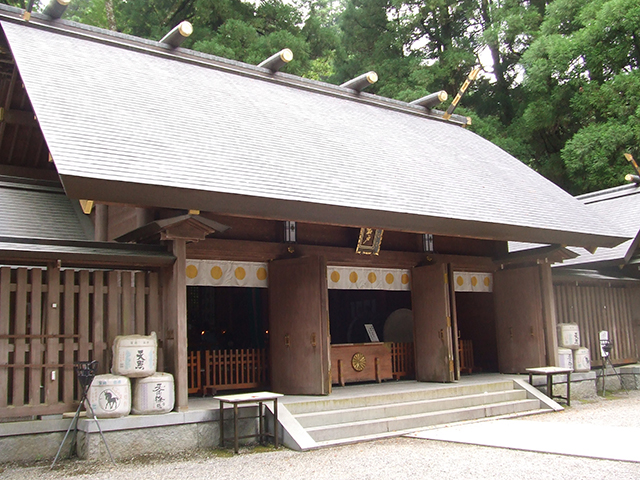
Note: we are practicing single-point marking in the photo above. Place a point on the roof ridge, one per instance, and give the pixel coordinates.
(152, 47)
(608, 193)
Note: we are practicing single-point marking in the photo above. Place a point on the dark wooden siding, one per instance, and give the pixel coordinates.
(599, 307)
(121, 220)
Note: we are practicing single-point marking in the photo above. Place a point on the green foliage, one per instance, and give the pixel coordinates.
(593, 156)
(583, 92)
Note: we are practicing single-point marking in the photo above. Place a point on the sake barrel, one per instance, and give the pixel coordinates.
(135, 355)
(110, 396)
(565, 358)
(581, 360)
(568, 335)
(153, 394)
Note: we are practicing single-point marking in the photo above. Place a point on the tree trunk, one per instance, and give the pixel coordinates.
(503, 95)
(111, 17)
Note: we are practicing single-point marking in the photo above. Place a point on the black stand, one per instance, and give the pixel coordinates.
(607, 347)
(86, 371)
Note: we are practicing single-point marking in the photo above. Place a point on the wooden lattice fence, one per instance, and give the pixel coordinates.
(212, 370)
(51, 318)
(403, 360)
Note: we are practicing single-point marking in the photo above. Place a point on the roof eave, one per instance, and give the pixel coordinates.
(546, 254)
(146, 195)
(79, 254)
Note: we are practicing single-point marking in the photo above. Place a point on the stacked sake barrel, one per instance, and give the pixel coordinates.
(134, 359)
(570, 353)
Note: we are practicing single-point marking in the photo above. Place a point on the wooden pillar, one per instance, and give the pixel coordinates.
(549, 320)
(635, 317)
(101, 227)
(52, 328)
(174, 294)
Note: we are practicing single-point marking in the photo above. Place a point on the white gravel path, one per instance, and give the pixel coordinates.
(396, 458)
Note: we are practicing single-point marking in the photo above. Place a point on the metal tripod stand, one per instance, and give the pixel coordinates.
(86, 371)
(606, 347)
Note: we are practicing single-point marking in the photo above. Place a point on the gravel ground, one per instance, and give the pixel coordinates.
(397, 458)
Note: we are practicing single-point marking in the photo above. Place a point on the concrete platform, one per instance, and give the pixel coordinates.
(198, 426)
(593, 441)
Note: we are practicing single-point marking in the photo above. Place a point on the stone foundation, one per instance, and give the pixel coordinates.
(126, 437)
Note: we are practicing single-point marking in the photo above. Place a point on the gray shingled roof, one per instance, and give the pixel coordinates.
(39, 223)
(40, 211)
(622, 205)
(155, 128)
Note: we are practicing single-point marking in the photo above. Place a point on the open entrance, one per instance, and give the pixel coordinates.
(228, 336)
(476, 332)
(351, 310)
(475, 321)
(371, 325)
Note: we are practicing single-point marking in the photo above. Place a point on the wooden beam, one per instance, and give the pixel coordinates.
(431, 100)
(363, 81)
(220, 249)
(178, 34)
(18, 117)
(278, 60)
(56, 8)
(8, 99)
(28, 172)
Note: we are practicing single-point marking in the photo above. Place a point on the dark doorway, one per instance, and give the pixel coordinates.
(350, 310)
(221, 318)
(476, 323)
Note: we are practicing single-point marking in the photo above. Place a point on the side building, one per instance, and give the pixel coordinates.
(601, 290)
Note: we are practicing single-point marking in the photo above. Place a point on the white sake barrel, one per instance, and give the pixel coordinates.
(110, 396)
(565, 358)
(568, 335)
(135, 355)
(153, 394)
(581, 360)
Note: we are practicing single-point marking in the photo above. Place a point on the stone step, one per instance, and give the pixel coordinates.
(372, 412)
(322, 404)
(379, 426)
(399, 433)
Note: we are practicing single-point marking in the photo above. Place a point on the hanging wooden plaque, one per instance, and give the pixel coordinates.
(369, 241)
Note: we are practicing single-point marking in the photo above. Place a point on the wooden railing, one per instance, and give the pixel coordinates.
(212, 370)
(466, 356)
(51, 318)
(402, 360)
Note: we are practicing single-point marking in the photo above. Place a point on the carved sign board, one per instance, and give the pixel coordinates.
(369, 241)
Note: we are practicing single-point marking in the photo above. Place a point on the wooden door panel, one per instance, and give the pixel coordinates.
(519, 322)
(432, 324)
(298, 326)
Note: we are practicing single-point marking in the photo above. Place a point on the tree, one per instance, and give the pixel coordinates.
(582, 83)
